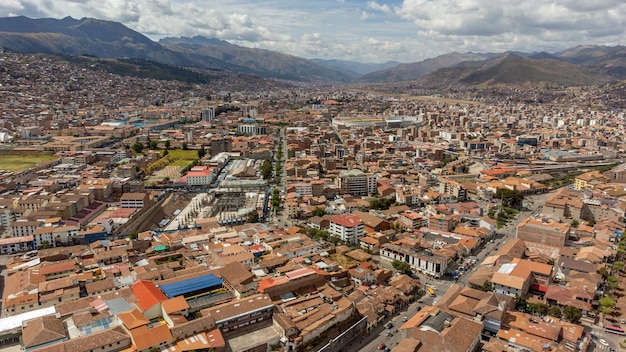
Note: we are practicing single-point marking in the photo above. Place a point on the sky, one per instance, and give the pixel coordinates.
(359, 30)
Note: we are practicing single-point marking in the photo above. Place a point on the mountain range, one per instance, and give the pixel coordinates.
(581, 65)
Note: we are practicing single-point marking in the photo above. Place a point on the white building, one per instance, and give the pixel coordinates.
(349, 228)
(199, 176)
(422, 261)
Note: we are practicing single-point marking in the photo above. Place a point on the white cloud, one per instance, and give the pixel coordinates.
(376, 30)
(378, 7)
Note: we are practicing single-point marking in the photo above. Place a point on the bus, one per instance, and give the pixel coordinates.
(614, 329)
(431, 291)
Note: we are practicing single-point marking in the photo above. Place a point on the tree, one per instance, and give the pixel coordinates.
(319, 211)
(572, 314)
(153, 145)
(184, 146)
(575, 223)
(619, 266)
(201, 152)
(167, 144)
(510, 198)
(137, 147)
(253, 217)
(555, 311)
(607, 304)
(166, 152)
(133, 234)
(611, 282)
(266, 169)
(380, 203)
(401, 266)
(520, 303)
(487, 286)
(603, 272)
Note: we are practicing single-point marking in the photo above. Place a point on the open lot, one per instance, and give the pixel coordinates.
(20, 161)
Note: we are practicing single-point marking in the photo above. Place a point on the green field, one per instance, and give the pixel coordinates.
(17, 161)
(183, 154)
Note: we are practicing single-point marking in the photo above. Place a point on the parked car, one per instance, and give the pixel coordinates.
(382, 346)
(603, 342)
(404, 318)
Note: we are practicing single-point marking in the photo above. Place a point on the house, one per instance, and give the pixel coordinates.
(43, 331)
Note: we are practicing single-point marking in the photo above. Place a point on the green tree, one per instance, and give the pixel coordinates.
(619, 266)
(607, 304)
(184, 146)
(152, 145)
(166, 152)
(380, 203)
(487, 286)
(510, 198)
(572, 314)
(253, 217)
(167, 144)
(555, 311)
(266, 169)
(520, 303)
(401, 266)
(137, 147)
(603, 272)
(575, 223)
(611, 282)
(319, 211)
(133, 234)
(201, 152)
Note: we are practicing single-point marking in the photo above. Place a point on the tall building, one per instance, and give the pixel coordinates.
(207, 115)
(221, 145)
(356, 182)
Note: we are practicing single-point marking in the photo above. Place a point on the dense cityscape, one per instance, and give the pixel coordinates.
(246, 214)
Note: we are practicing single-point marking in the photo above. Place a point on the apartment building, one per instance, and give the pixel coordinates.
(349, 228)
(356, 182)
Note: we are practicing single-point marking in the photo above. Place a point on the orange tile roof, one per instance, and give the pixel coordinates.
(133, 319)
(147, 294)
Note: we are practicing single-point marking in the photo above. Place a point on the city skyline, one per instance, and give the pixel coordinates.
(364, 31)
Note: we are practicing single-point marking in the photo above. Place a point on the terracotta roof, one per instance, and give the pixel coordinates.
(144, 337)
(133, 319)
(176, 304)
(346, 220)
(147, 294)
(43, 330)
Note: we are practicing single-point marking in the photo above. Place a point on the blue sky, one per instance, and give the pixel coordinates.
(359, 30)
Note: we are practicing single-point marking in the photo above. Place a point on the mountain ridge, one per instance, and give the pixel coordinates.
(108, 39)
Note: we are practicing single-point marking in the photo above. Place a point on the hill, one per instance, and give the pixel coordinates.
(106, 39)
(511, 69)
(260, 61)
(413, 71)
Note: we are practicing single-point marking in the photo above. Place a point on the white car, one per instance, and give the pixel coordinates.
(603, 342)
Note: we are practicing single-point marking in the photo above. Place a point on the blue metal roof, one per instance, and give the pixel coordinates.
(190, 285)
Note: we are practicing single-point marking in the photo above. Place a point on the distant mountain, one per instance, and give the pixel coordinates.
(106, 39)
(355, 68)
(510, 68)
(413, 71)
(89, 36)
(608, 59)
(260, 61)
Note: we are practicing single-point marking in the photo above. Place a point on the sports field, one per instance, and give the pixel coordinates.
(19, 161)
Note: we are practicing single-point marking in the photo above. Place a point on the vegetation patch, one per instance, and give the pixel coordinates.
(18, 161)
(344, 262)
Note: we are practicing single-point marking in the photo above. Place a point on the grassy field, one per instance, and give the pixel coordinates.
(17, 161)
(183, 154)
